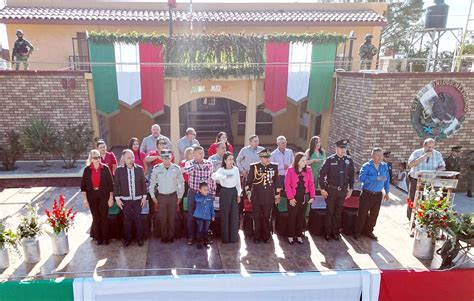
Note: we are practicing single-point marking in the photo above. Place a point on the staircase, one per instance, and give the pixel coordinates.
(208, 123)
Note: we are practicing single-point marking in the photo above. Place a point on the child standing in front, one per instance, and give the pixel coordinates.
(204, 214)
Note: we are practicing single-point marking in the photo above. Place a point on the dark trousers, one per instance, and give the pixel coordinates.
(167, 213)
(202, 229)
(132, 215)
(411, 194)
(98, 204)
(369, 207)
(263, 201)
(281, 179)
(191, 221)
(296, 218)
(229, 211)
(334, 203)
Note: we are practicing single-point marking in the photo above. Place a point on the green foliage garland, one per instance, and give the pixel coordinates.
(213, 55)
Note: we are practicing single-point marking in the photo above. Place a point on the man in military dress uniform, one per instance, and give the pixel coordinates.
(386, 158)
(367, 51)
(470, 173)
(21, 51)
(336, 179)
(263, 190)
(453, 161)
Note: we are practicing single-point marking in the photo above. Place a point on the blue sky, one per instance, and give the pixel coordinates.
(457, 15)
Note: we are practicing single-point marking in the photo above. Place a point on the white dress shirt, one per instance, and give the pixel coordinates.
(228, 178)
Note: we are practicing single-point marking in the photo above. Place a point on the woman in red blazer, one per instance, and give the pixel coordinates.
(299, 188)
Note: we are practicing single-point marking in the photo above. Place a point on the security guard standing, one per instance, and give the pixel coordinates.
(453, 162)
(470, 173)
(386, 157)
(263, 190)
(336, 179)
(21, 51)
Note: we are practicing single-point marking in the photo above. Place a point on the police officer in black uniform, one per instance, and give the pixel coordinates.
(386, 158)
(263, 190)
(453, 161)
(336, 179)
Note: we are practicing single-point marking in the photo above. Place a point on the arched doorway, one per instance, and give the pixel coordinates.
(210, 115)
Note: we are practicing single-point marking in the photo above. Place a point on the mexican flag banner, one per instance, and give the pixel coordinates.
(127, 73)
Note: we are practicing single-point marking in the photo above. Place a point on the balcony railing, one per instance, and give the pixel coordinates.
(79, 62)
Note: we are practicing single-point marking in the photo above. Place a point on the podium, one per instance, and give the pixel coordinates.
(445, 179)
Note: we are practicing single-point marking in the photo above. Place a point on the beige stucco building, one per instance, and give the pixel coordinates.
(57, 29)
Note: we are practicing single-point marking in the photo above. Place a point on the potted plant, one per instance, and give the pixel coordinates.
(461, 228)
(28, 231)
(7, 240)
(60, 219)
(432, 214)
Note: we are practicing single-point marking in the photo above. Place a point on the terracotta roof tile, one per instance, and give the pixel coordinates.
(89, 15)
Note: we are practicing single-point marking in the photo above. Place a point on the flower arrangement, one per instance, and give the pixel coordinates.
(30, 225)
(8, 238)
(433, 211)
(60, 218)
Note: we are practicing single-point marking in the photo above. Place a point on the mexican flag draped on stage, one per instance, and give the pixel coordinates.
(128, 73)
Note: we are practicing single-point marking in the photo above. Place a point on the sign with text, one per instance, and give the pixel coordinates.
(209, 88)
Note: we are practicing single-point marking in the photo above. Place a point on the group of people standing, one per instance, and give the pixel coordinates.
(148, 179)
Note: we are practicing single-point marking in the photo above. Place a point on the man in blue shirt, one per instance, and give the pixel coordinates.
(375, 178)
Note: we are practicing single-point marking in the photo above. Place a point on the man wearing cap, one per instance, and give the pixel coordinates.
(263, 190)
(453, 160)
(166, 190)
(386, 157)
(336, 179)
(21, 51)
(367, 51)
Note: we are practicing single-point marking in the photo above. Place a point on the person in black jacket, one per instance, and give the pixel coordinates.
(97, 190)
(130, 194)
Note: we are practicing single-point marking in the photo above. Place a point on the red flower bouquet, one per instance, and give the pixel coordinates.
(60, 218)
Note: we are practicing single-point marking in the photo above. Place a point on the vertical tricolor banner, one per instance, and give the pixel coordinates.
(128, 73)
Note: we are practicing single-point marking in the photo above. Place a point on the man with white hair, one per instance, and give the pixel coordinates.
(149, 142)
(188, 140)
(425, 158)
(284, 157)
(130, 193)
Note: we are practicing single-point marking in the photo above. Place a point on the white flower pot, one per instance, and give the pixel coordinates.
(423, 246)
(31, 250)
(60, 243)
(4, 259)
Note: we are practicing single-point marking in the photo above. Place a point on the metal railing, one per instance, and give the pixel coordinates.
(79, 62)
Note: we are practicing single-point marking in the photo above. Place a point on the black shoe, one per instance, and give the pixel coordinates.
(328, 237)
(163, 241)
(140, 243)
(336, 236)
(99, 242)
(371, 236)
(267, 241)
(290, 240)
(126, 243)
(256, 241)
(199, 245)
(171, 240)
(356, 236)
(469, 194)
(106, 242)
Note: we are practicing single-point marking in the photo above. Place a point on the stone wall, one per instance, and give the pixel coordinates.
(58, 96)
(374, 110)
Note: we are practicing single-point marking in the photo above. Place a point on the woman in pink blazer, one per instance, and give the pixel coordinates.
(299, 188)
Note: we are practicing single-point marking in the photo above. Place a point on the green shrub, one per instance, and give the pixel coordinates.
(12, 151)
(41, 137)
(74, 141)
